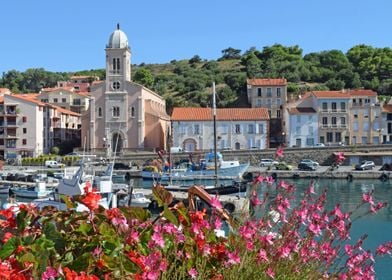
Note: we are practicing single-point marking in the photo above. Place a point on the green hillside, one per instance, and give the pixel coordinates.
(188, 82)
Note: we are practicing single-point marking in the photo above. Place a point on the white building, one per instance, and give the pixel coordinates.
(237, 128)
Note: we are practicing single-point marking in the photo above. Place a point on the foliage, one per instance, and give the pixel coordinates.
(187, 82)
(55, 150)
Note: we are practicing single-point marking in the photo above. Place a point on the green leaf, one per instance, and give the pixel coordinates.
(107, 230)
(82, 262)
(8, 248)
(170, 216)
(138, 213)
(184, 213)
(129, 266)
(161, 195)
(28, 257)
(84, 228)
(21, 220)
(68, 202)
(51, 233)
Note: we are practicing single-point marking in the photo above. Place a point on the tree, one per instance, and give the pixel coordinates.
(334, 84)
(230, 53)
(195, 59)
(144, 77)
(252, 65)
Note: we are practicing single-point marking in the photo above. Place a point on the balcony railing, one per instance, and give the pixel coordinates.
(333, 111)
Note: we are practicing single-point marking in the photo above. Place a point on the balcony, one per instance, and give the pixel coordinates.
(11, 123)
(333, 111)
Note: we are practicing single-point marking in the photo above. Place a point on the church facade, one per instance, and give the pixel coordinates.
(123, 115)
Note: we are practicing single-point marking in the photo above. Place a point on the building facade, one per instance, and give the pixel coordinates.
(123, 115)
(66, 98)
(236, 128)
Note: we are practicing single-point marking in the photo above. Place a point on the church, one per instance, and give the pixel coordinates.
(123, 115)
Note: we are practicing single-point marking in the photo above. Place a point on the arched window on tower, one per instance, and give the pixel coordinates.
(116, 65)
(116, 112)
(132, 112)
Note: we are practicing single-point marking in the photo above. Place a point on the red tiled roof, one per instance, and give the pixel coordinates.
(330, 94)
(1, 99)
(64, 111)
(224, 114)
(301, 110)
(267, 82)
(58, 88)
(362, 92)
(26, 97)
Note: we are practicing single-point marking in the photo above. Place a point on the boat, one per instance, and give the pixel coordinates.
(5, 189)
(38, 191)
(138, 199)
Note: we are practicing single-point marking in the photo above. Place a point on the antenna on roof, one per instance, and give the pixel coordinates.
(118, 26)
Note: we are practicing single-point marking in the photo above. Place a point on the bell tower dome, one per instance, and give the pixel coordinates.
(118, 61)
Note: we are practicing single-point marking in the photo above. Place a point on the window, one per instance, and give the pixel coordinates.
(24, 119)
(278, 101)
(325, 106)
(309, 142)
(325, 121)
(99, 112)
(278, 114)
(132, 112)
(24, 141)
(116, 85)
(55, 100)
(24, 130)
(258, 103)
(338, 137)
(329, 137)
(343, 122)
(355, 126)
(322, 140)
(333, 106)
(343, 106)
(261, 128)
(269, 92)
(116, 65)
(116, 112)
(278, 92)
(251, 129)
(333, 121)
(196, 129)
(64, 100)
(238, 129)
(259, 92)
(365, 126)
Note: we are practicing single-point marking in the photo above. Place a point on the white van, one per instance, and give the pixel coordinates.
(53, 164)
(176, 150)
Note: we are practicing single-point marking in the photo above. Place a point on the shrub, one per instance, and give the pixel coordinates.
(303, 241)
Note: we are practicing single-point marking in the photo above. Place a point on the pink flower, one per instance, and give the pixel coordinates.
(217, 223)
(340, 157)
(158, 239)
(258, 179)
(283, 185)
(269, 180)
(262, 256)
(193, 273)
(50, 273)
(233, 258)
(254, 200)
(270, 273)
(367, 197)
(216, 203)
(279, 152)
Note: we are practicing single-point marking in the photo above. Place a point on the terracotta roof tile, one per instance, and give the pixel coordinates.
(330, 94)
(64, 111)
(28, 98)
(267, 82)
(223, 114)
(301, 110)
(362, 92)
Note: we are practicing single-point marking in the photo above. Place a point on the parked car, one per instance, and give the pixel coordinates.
(268, 162)
(283, 166)
(319, 145)
(364, 165)
(306, 167)
(310, 162)
(53, 164)
(386, 167)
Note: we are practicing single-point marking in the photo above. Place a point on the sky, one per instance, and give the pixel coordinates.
(67, 36)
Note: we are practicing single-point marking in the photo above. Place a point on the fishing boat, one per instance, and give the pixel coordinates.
(5, 189)
(38, 191)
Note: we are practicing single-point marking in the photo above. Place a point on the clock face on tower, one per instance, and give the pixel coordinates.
(116, 85)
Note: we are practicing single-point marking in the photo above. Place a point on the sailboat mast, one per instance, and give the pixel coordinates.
(214, 121)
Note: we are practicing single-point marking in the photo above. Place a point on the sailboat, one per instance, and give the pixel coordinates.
(213, 167)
